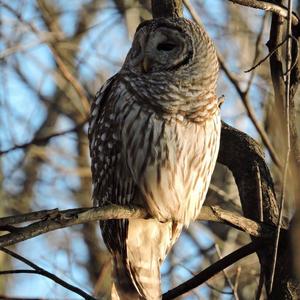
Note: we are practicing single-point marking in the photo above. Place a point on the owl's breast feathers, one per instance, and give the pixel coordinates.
(171, 157)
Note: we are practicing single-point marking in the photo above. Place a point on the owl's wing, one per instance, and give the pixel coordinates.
(98, 107)
(111, 183)
(137, 246)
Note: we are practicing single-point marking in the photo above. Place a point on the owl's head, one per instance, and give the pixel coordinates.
(172, 45)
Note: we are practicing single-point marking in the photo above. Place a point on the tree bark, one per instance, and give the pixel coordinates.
(166, 8)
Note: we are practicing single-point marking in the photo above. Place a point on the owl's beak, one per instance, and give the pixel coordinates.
(146, 64)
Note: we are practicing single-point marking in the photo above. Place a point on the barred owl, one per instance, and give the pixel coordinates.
(154, 136)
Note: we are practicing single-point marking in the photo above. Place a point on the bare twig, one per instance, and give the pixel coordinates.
(4, 297)
(42, 140)
(218, 290)
(257, 51)
(18, 271)
(73, 81)
(245, 99)
(43, 272)
(266, 57)
(236, 282)
(84, 110)
(192, 11)
(268, 6)
(45, 38)
(273, 51)
(235, 295)
(295, 62)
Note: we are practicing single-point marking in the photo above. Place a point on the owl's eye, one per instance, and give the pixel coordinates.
(165, 46)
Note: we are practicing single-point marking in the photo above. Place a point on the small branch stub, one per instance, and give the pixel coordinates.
(167, 8)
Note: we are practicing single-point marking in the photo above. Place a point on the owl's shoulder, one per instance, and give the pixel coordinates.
(99, 103)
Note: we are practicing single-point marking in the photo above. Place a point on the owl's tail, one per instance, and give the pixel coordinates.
(137, 285)
(138, 275)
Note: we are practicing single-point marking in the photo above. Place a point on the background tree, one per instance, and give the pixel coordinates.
(54, 57)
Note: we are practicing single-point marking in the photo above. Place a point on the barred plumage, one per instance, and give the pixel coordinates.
(154, 137)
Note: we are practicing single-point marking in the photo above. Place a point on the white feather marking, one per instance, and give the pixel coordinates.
(93, 142)
(95, 111)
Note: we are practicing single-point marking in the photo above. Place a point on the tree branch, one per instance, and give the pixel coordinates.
(212, 270)
(54, 219)
(3, 297)
(279, 10)
(43, 272)
(166, 8)
(43, 140)
(251, 113)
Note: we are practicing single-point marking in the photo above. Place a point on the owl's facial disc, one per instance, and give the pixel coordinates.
(161, 49)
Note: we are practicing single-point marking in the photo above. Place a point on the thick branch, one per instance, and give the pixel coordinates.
(166, 8)
(55, 219)
(212, 270)
(243, 156)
